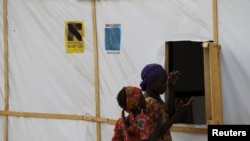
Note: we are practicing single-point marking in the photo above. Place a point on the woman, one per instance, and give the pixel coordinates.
(137, 126)
(154, 83)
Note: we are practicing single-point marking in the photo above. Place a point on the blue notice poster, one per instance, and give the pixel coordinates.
(112, 37)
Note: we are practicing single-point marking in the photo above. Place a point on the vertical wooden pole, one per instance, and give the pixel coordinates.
(97, 96)
(6, 69)
(208, 102)
(215, 78)
(215, 71)
(215, 21)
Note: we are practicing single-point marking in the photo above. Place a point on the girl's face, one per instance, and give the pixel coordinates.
(142, 102)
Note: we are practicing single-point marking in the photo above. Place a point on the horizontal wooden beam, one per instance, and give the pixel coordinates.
(189, 129)
(92, 119)
(58, 116)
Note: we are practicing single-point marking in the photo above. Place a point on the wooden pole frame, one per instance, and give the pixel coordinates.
(6, 69)
(215, 71)
(215, 21)
(58, 116)
(97, 95)
(212, 78)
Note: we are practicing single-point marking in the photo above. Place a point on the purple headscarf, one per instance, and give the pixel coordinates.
(149, 73)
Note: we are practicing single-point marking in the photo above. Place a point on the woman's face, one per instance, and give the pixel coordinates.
(160, 84)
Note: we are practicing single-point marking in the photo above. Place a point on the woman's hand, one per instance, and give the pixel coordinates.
(173, 77)
(183, 105)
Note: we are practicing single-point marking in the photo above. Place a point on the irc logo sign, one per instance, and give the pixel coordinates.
(74, 33)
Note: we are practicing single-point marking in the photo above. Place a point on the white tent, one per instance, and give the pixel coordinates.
(49, 94)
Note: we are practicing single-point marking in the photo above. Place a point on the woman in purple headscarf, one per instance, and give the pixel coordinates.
(154, 82)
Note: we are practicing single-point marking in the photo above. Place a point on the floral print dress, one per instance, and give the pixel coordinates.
(140, 128)
(152, 109)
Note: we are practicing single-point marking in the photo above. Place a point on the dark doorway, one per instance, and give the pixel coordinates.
(187, 57)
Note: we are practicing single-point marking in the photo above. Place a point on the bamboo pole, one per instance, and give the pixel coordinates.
(6, 69)
(97, 96)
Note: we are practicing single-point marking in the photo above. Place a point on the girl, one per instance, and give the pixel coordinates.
(137, 126)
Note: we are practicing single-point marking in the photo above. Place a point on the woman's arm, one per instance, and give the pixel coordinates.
(179, 111)
(171, 100)
(172, 80)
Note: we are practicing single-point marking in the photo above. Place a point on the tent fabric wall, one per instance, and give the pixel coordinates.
(233, 36)
(43, 78)
(1, 61)
(1, 127)
(30, 129)
(145, 29)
